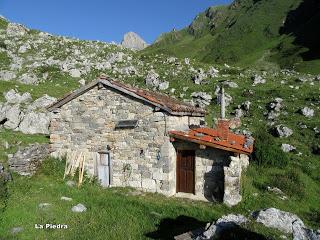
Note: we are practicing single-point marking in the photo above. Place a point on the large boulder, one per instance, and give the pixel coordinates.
(152, 79)
(133, 41)
(14, 97)
(34, 123)
(41, 102)
(25, 161)
(283, 131)
(275, 218)
(10, 116)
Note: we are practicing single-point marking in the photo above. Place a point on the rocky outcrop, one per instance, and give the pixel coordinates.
(25, 161)
(275, 218)
(13, 96)
(133, 41)
(29, 119)
(35, 122)
(15, 29)
(286, 222)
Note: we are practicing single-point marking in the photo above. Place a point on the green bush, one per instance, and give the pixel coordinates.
(290, 182)
(267, 152)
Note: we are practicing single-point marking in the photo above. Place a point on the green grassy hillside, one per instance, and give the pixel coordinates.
(250, 31)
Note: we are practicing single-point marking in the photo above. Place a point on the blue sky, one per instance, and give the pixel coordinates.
(105, 20)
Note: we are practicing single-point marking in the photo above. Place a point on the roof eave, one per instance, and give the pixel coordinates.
(107, 82)
(213, 145)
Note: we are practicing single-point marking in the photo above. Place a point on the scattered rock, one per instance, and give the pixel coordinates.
(274, 189)
(201, 99)
(133, 41)
(82, 82)
(70, 183)
(79, 208)
(257, 80)
(287, 147)
(28, 78)
(242, 109)
(75, 73)
(116, 57)
(163, 85)
(199, 77)
(283, 131)
(66, 199)
(16, 230)
(307, 112)
(213, 72)
(152, 79)
(230, 84)
(44, 205)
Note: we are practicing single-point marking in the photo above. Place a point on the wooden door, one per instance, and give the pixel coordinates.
(185, 171)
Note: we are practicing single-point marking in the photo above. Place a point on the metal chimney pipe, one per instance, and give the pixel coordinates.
(223, 104)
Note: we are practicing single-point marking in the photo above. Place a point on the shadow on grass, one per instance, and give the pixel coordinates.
(169, 228)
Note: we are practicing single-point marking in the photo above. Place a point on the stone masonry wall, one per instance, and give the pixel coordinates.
(209, 174)
(87, 124)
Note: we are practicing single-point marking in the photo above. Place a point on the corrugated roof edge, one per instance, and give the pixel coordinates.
(143, 95)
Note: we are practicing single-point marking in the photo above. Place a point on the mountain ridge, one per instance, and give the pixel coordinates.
(244, 32)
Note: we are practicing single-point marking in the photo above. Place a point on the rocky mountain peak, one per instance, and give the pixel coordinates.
(133, 41)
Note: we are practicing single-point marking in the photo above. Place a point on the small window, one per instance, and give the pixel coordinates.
(126, 124)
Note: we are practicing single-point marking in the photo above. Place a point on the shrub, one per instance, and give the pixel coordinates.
(290, 182)
(267, 152)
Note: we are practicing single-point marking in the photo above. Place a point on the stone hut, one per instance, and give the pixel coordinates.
(146, 140)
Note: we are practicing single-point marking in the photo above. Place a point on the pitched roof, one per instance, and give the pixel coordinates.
(216, 138)
(164, 102)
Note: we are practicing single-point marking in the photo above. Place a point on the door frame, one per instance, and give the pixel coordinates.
(179, 151)
(106, 154)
